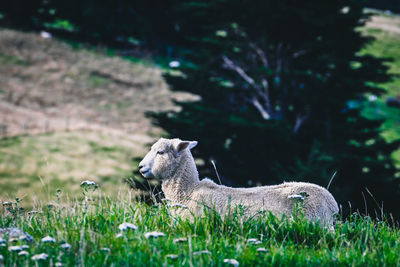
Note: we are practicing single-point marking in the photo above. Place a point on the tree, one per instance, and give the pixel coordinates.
(280, 86)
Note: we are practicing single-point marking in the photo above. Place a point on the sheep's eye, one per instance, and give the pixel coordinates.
(160, 152)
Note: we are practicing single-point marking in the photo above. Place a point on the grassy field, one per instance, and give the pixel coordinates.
(91, 228)
(34, 166)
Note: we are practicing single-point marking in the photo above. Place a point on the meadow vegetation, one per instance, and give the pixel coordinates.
(90, 231)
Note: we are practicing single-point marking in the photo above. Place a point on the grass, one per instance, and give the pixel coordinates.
(90, 226)
(34, 166)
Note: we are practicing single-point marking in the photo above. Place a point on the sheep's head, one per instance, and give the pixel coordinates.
(164, 157)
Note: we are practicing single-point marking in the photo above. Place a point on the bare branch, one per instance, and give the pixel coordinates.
(300, 119)
(260, 108)
(260, 53)
(232, 66)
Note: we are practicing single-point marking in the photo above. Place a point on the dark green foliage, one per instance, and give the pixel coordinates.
(280, 86)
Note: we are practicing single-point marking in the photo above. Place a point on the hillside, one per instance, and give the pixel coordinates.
(69, 114)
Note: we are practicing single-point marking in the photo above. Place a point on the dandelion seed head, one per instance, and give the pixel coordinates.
(66, 246)
(172, 256)
(42, 256)
(15, 248)
(23, 253)
(232, 262)
(180, 240)
(48, 239)
(207, 252)
(153, 234)
(126, 226)
(105, 249)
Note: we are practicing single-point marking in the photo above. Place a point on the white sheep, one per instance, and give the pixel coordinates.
(171, 161)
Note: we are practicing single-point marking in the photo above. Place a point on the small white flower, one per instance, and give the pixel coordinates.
(23, 253)
(2, 240)
(1, 258)
(296, 196)
(66, 246)
(48, 239)
(15, 248)
(3, 245)
(232, 262)
(42, 256)
(119, 235)
(178, 205)
(87, 182)
(153, 234)
(125, 226)
(59, 264)
(174, 64)
(24, 246)
(180, 240)
(45, 35)
(7, 203)
(105, 249)
(262, 250)
(172, 256)
(372, 98)
(253, 240)
(202, 252)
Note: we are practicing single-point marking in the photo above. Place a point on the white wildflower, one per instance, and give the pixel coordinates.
(105, 249)
(232, 262)
(178, 205)
(23, 253)
(296, 196)
(7, 203)
(172, 256)
(45, 35)
(24, 246)
(1, 257)
(15, 248)
(66, 246)
(207, 252)
(372, 98)
(153, 234)
(119, 235)
(262, 250)
(2, 240)
(125, 226)
(59, 264)
(3, 245)
(48, 239)
(253, 241)
(174, 64)
(88, 183)
(42, 256)
(180, 240)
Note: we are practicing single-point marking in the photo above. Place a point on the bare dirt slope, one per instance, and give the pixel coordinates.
(46, 85)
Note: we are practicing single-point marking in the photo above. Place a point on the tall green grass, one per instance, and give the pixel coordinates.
(90, 226)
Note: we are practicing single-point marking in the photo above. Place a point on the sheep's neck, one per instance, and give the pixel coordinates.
(180, 185)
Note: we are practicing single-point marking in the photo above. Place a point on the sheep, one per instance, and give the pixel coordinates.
(171, 161)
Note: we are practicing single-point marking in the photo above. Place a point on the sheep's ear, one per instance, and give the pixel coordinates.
(192, 144)
(182, 145)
